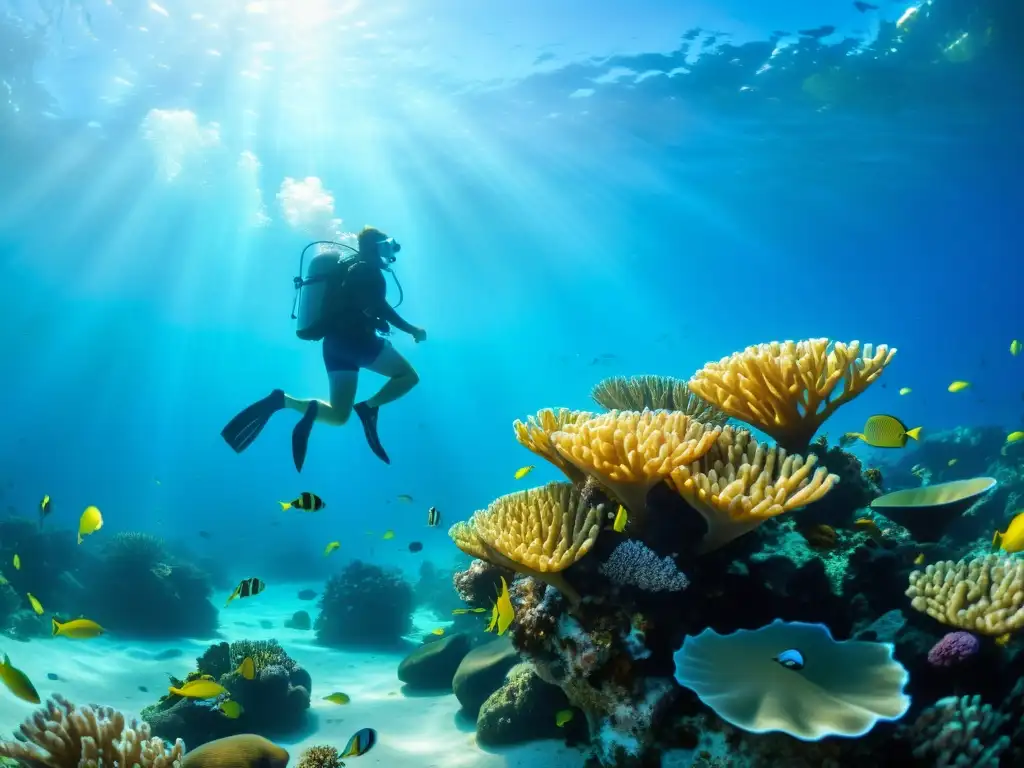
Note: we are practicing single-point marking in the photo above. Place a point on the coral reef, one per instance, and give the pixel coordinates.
(960, 731)
(364, 605)
(984, 595)
(479, 583)
(61, 735)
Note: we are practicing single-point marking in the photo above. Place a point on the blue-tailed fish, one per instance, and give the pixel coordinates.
(362, 741)
(231, 709)
(247, 668)
(958, 386)
(338, 698)
(90, 522)
(905, 390)
(246, 588)
(524, 471)
(199, 689)
(562, 717)
(306, 502)
(36, 606)
(331, 547)
(17, 682)
(1012, 539)
(16, 562)
(621, 519)
(76, 629)
(1015, 347)
(884, 431)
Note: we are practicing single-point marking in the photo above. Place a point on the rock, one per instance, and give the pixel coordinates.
(266, 624)
(522, 710)
(307, 594)
(242, 751)
(299, 620)
(482, 672)
(431, 666)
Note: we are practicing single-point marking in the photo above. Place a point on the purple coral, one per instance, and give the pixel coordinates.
(632, 563)
(954, 648)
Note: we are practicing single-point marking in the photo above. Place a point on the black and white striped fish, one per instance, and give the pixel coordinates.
(246, 588)
(433, 517)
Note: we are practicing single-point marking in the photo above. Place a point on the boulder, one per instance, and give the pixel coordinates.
(299, 620)
(482, 672)
(431, 666)
(522, 710)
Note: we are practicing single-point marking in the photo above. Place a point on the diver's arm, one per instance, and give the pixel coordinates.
(388, 313)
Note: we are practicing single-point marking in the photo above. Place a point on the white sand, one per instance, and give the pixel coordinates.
(412, 730)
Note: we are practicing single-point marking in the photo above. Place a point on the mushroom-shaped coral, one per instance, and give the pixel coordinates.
(984, 595)
(61, 735)
(535, 434)
(637, 393)
(539, 532)
(927, 511)
(629, 452)
(795, 678)
(788, 389)
(739, 483)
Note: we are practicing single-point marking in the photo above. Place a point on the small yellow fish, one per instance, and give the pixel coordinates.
(16, 563)
(524, 471)
(905, 390)
(388, 535)
(90, 522)
(494, 618)
(36, 606)
(199, 689)
(919, 560)
(868, 526)
(76, 629)
(331, 547)
(247, 668)
(17, 682)
(1015, 347)
(958, 386)
(3, 580)
(883, 431)
(460, 611)
(503, 613)
(951, 462)
(562, 717)
(1013, 437)
(621, 518)
(1002, 640)
(231, 709)
(1012, 539)
(338, 698)
(439, 631)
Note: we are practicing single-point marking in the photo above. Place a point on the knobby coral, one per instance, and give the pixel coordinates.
(320, 756)
(984, 595)
(788, 389)
(959, 732)
(637, 393)
(61, 735)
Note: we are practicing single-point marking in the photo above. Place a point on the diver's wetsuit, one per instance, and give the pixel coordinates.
(352, 342)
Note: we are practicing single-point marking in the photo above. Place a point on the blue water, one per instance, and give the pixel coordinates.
(579, 193)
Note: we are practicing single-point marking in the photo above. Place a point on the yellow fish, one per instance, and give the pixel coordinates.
(460, 611)
(439, 631)
(562, 717)
(919, 560)
(16, 563)
(231, 709)
(1012, 539)
(503, 613)
(1002, 640)
(905, 391)
(247, 668)
(869, 526)
(388, 535)
(17, 682)
(338, 698)
(331, 547)
(884, 431)
(76, 629)
(494, 618)
(35, 604)
(90, 522)
(951, 462)
(1014, 347)
(1013, 437)
(524, 471)
(958, 386)
(621, 518)
(199, 689)
(908, 18)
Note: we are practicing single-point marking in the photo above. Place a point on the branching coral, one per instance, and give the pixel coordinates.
(632, 563)
(61, 735)
(629, 452)
(789, 389)
(738, 484)
(320, 756)
(535, 434)
(984, 595)
(637, 393)
(959, 732)
(539, 532)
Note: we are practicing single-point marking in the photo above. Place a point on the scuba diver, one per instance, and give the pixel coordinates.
(342, 301)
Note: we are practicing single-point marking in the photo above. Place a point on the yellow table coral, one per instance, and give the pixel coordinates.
(539, 532)
(788, 389)
(984, 595)
(535, 434)
(629, 452)
(738, 484)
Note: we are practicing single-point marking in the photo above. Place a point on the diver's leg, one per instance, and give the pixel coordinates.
(343, 376)
(324, 411)
(401, 376)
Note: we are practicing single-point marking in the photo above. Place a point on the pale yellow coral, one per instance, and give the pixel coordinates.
(61, 735)
(629, 452)
(635, 393)
(535, 434)
(738, 484)
(788, 389)
(539, 532)
(984, 595)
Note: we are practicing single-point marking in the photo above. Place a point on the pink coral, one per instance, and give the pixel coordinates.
(953, 649)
